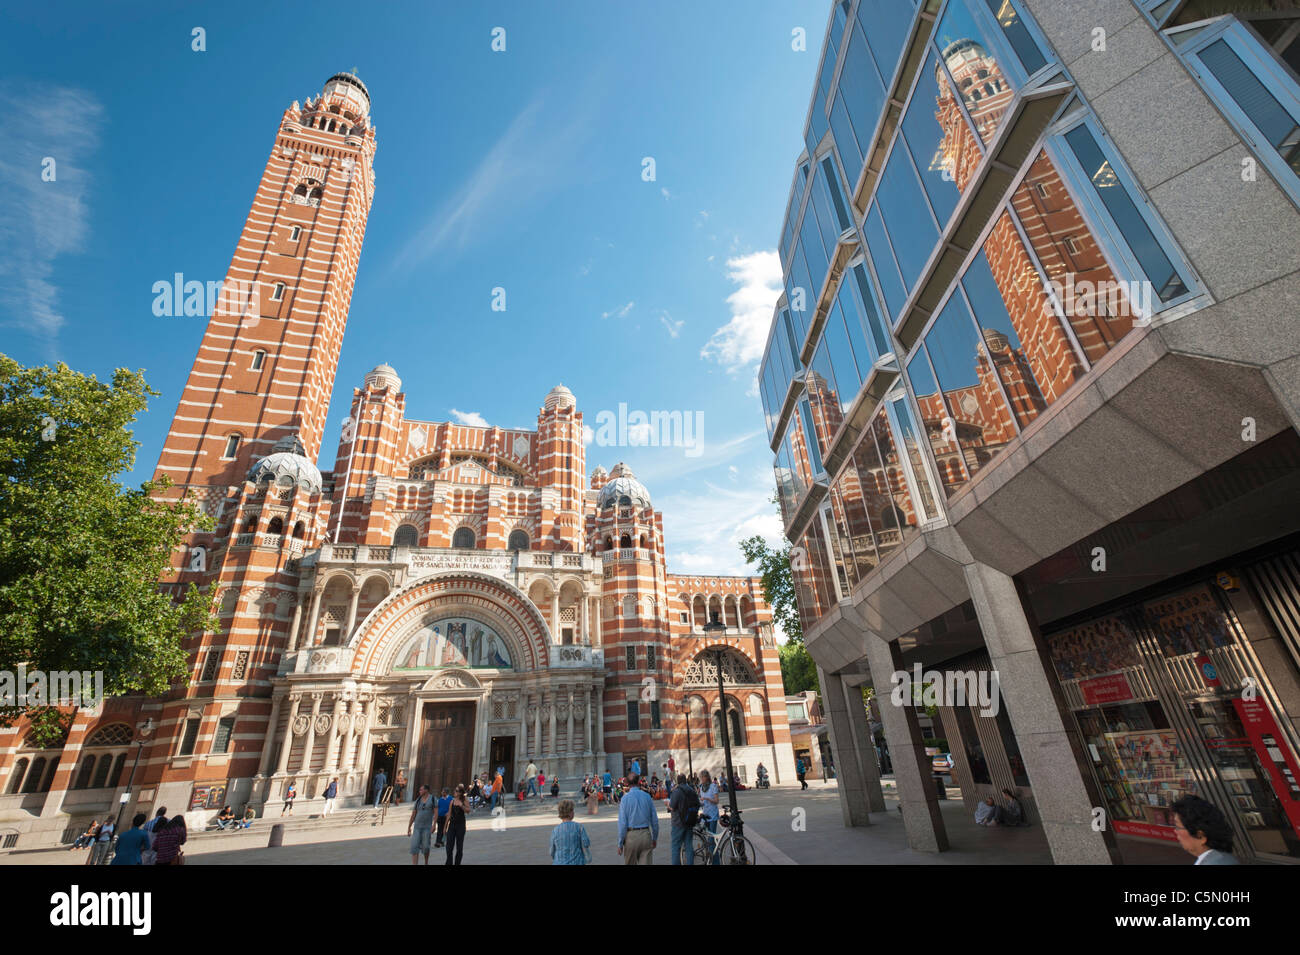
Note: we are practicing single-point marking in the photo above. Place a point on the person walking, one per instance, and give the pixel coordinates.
(331, 793)
(709, 809)
(593, 796)
(133, 842)
(456, 826)
(531, 775)
(151, 828)
(799, 770)
(444, 806)
(420, 827)
(607, 785)
(399, 787)
(381, 782)
(570, 844)
(498, 787)
(638, 825)
(684, 811)
(290, 795)
(1203, 830)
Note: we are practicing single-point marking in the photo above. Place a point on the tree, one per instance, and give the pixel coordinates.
(798, 671)
(81, 555)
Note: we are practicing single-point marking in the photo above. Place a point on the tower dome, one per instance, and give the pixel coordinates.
(384, 376)
(287, 465)
(560, 397)
(623, 484)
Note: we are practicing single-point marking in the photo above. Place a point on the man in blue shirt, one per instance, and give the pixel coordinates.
(444, 807)
(638, 825)
(132, 843)
(607, 784)
(381, 782)
(709, 808)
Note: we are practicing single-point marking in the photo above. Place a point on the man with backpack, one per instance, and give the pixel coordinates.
(684, 809)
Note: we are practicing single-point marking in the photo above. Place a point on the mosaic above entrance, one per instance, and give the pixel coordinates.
(454, 641)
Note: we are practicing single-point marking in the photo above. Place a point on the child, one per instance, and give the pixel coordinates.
(570, 844)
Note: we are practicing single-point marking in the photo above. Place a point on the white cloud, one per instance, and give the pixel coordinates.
(620, 312)
(674, 327)
(471, 418)
(703, 528)
(741, 340)
(665, 193)
(39, 220)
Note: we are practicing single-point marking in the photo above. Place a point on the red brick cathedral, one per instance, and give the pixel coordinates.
(446, 600)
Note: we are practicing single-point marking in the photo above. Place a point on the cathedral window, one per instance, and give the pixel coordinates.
(232, 445)
(625, 541)
(298, 530)
(276, 526)
(406, 536)
(259, 357)
(295, 231)
(518, 541)
(190, 737)
(277, 293)
(225, 731)
(463, 539)
(633, 716)
(654, 715)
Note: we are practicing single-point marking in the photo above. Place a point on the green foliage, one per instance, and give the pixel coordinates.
(778, 584)
(798, 671)
(80, 554)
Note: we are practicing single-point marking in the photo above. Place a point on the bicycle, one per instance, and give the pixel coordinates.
(730, 847)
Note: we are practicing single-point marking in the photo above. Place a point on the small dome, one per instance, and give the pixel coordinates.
(623, 484)
(287, 460)
(384, 376)
(560, 397)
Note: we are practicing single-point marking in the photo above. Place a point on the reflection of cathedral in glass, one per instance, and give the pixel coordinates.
(454, 642)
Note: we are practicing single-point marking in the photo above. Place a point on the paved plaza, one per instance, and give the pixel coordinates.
(788, 827)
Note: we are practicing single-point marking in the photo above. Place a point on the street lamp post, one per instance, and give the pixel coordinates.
(144, 731)
(690, 768)
(737, 828)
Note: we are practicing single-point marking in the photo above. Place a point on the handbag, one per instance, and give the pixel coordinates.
(179, 859)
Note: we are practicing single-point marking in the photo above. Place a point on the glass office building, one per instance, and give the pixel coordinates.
(1028, 396)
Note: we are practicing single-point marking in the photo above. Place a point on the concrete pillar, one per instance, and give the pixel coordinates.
(352, 615)
(537, 726)
(571, 699)
(309, 743)
(555, 616)
(915, 781)
(598, 703)
(1064, 791)
(865, 747)
(286, 743)
(268, 745)
(297, 619)
(854, 804)
(586, 609)
(553, 704)
(309, 638)
(523, 729)
(332, 747)
(586, 724)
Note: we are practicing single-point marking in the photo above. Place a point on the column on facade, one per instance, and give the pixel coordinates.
(555, 615)
(572, 697)
(309, 743)
(599, 701)
(522, 703)
(912, 769)
(268, 742)
(553, 714)
(537, 725)
(297, 619)
(587, 747)
(586, 609)
(856, 795)
(369, 710)
(1053, 753)
(335, 737)
(295, 704)
(352, 614)
(309, 638)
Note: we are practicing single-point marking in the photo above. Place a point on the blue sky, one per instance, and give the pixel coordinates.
(520, 169)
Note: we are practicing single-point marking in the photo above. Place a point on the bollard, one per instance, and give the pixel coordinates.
(277, 836)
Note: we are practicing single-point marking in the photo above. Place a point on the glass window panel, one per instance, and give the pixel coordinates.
(985, 86)
(799, 291)
(1007, 294)
(907, 218)
(812, 439)
(824, 392)
(938, 136)
(1017, 34)
(821, 204)
(938, 425)
(814, 254)
(850, 304)
(846, 140)
(1262, 107)
(794, 344)
(832, 183)
(887, 23)
(1092, 298)
(847, 374)
(839, 16)
(862, 88)
(882, 258)
(800, 177)
(838, 550)
(1113, 192)
(980, 419)
(814, 597)
(849, 503)
(1003, 346)
(800, 467)
(892, 515)
(869, 311)
(910, 436)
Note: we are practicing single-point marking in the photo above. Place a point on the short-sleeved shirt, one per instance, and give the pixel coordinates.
(607, 779)
(129, 847)
(709, 801)
(424, 808)
(444, 804)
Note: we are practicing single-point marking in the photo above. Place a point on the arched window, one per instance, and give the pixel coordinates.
(16, 776)
(624, 501)
(101, 772)
(300, 192)
(115, 776)
(316, 194)
(298, 530)
(463, 539)
(518, 541)
(643, 542)
(250, 526)
(276, 526)
(629, 606)
(625, 541)
(34, 775)
(406, 536)
(114, 734)
(84, 773)
(609, 543)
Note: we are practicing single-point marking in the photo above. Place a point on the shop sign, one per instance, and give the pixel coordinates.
(1209, 672)
(1146, 829)
(1275, 754)
(1112, 688)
